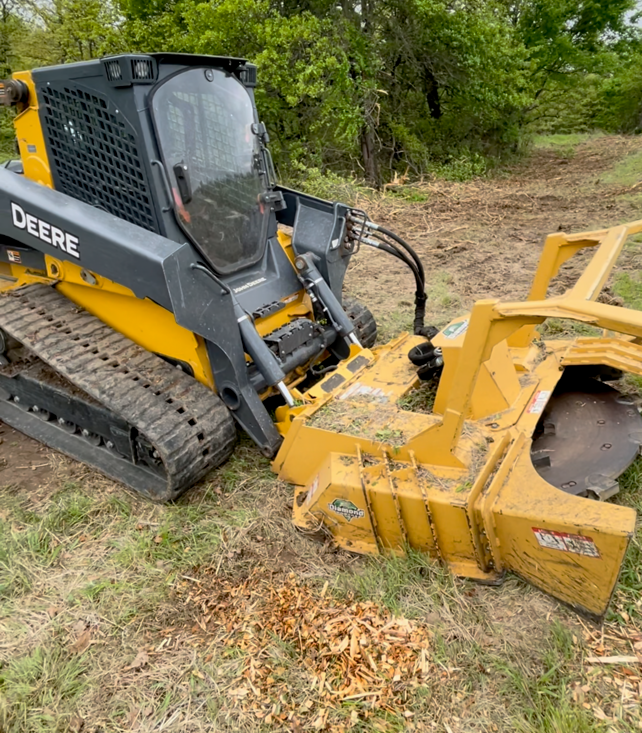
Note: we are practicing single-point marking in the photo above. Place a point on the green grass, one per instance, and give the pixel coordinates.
(393, 322)
(626, 172)
(563, 328)
(421, 399)
(442, 305)
(39, 691)
(413, 585)
(113, 560)
(518, 679)
(410, 194)
(629, 287)
(564, 142)
(118, 560)
(628, 597)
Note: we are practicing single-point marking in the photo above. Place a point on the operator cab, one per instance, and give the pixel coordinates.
(172, 143)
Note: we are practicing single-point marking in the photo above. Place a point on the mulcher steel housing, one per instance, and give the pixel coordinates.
(158, 286)
(460, 483)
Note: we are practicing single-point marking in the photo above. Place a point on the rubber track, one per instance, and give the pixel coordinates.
(188, 425)
(364, 322)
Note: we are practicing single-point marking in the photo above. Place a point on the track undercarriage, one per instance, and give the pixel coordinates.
(80, 387)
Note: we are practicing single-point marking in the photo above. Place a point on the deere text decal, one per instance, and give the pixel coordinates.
(44, 231)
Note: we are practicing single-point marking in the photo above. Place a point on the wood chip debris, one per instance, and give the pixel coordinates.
(619, 659)
(342, 652)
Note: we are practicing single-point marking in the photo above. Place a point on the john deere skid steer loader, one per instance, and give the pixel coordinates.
(158, 286)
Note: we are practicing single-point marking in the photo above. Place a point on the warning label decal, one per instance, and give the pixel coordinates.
(312, 490)
(538, 403)
(565, 542)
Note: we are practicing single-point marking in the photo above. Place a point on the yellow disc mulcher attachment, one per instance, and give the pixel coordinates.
(499, 475)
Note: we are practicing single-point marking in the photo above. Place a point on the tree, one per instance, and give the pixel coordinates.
(567, 39)
(374, 86)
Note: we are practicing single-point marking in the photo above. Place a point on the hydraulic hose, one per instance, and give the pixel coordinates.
(403, 251)
(420, 293)
(396, 252)
(402, 243)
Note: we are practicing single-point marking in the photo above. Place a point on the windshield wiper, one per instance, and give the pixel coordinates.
(259, 129)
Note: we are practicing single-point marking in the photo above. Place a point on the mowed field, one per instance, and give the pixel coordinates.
(214, 614)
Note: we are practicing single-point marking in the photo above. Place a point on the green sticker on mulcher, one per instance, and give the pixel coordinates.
(455, 329)
(346, 509)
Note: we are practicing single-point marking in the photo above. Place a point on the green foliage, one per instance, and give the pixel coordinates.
(370, 89)
(620, 101)
(7, 144)
(465, 166)
(326, 185)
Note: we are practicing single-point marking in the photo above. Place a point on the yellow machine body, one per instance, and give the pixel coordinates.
(459, 483)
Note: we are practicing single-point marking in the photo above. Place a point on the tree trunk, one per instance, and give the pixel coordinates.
(5, 42)
(431, 85)
(368, 156)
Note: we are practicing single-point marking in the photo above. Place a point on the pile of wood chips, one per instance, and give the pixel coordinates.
(340, 652)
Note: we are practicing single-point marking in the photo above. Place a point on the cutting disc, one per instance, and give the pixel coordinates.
(588, 435)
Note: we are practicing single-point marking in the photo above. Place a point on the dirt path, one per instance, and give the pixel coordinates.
(23, 462)
(483, 238)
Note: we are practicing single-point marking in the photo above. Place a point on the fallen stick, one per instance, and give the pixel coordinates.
(614, 660)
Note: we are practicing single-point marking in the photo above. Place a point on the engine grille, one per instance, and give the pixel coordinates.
(94, 155)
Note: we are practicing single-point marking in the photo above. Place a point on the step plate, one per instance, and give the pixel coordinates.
(588, 435)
